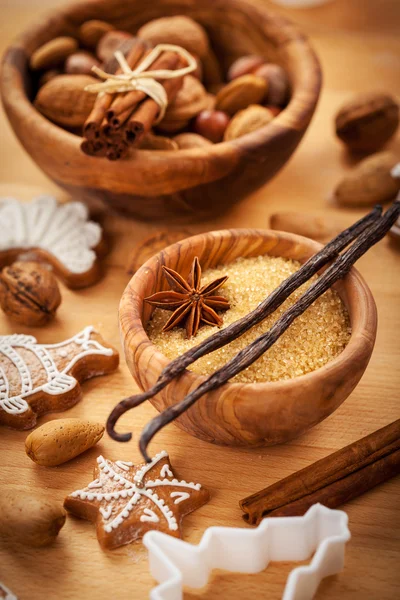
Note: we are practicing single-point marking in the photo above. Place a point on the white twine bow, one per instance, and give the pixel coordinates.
(140, 79)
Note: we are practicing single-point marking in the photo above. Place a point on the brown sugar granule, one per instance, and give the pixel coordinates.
(315, 338)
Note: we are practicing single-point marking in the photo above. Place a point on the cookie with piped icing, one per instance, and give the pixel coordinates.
(39, 378)
(125, 501)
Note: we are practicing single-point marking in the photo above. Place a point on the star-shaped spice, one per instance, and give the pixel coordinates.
(125, 500)
(190, 302)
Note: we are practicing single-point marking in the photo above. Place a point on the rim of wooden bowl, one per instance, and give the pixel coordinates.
(364, 322)
(295, 116)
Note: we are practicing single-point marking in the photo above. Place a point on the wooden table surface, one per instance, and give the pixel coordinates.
(359, 50)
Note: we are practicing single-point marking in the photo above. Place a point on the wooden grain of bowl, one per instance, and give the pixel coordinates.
(237, 413)
(187, 183)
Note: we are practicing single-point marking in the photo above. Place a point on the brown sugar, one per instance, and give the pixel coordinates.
(315, 338)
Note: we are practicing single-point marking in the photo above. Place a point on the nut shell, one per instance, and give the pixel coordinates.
(81, 63)
(29, 519)
(370, 182)
(278, 84)
(91, 32)
(109, 43)
(29, 293)
(244, 65)
(251, 118)
(53, 53)
(189, 140)
(367, 122)
(179, 30)
(63, 99)
(191, 99)
(58, 441)
(240, 93)
(157, 142)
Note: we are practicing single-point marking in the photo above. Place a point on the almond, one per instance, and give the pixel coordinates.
(91, 32)
(53, 53)
(186, 141)
(251, 118)
(370, 182)
(240, 93)
(56, 442)
(179, 30)
(244, 65)
(63, 99)
(28, 519)
(158, 142)
(316, 227)
(368, 121)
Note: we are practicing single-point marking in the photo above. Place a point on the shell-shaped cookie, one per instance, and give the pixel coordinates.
(62, 230)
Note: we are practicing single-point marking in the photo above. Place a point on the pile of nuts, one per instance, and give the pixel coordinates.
(365, 124)
(206, 110)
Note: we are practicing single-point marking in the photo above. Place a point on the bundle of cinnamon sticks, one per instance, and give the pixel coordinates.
(333, 480)
(119, 121)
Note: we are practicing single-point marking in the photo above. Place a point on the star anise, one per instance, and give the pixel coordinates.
(191, 303)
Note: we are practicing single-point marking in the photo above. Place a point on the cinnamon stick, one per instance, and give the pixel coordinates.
(333, 480)
(91, 128)
(143, 118)
(124, 102)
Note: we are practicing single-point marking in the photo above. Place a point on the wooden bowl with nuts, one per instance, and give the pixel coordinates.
(191, 178)
(261, 413)
(192, 182)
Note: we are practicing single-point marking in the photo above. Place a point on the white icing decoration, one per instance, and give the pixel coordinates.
(133, 493)
(7, 594)
(149, 515)
(166, 471)
(61, 229)
(123, 464)
(180, 496)
(106, 512)
(58, 382)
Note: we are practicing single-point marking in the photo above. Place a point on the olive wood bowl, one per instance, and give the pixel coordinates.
(193, 183)
(237, 413)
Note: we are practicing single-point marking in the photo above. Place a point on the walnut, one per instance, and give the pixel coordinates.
(29, 293)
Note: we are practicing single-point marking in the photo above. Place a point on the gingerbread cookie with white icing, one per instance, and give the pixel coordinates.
(126, 501)
(39, 378)
(58, 234)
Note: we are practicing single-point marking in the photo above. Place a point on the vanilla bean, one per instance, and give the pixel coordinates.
(253, 351)
(239, 327)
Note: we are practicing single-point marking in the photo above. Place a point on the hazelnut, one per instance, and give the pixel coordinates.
(278, 83)
(81, 63)
(244, 65)
(367, 122)
(211, 124)
(29, 293)
(109, 43)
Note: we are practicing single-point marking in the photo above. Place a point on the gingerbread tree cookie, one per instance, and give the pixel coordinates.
(40, 378)
(125, 500)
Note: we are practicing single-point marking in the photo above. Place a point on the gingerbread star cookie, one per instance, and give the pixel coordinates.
(125, 500)
(40, 378)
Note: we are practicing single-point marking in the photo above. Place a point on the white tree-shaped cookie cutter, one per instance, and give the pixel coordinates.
(175, 563)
